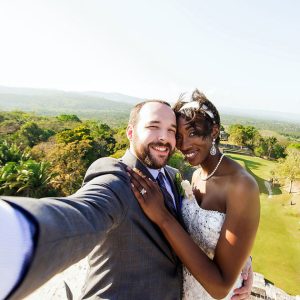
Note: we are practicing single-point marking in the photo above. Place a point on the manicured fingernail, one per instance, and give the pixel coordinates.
(132, 185)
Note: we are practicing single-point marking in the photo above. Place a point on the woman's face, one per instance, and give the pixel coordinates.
(195, 148)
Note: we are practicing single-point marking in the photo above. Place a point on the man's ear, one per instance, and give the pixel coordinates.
(129, 132)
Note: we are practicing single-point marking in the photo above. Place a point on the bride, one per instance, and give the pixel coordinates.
(222, 214)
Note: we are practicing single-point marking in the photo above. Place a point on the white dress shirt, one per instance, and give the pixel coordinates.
(154, 173)
(16, 234)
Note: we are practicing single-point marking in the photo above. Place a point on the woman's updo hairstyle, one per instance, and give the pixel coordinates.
(200, 113)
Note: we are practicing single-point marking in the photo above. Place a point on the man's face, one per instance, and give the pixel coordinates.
(152, 139)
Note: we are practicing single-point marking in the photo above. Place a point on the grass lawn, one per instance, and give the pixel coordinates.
(276, 252)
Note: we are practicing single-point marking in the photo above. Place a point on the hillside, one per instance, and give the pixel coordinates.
(114, 108)
(277, 246)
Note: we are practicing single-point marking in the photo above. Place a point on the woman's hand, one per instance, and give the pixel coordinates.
(149, 196)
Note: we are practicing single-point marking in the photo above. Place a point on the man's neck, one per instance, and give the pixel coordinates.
(152, 171)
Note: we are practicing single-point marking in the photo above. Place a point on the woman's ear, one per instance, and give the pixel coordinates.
(215, 131)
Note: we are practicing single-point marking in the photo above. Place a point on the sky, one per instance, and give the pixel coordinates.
(243, 54)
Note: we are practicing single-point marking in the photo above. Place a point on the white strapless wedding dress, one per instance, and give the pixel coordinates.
(204, 226)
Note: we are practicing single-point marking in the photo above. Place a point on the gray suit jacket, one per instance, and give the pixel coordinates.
(129, 257)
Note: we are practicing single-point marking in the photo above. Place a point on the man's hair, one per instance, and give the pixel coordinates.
(134, 114)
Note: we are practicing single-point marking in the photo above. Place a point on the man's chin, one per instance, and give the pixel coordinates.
(156, 163)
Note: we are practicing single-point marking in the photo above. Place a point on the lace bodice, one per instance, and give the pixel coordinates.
(204, 226)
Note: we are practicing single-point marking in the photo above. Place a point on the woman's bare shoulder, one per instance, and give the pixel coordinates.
(241, 183)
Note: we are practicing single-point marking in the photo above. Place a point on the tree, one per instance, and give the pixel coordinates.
(68, 118)
(251, 136)
(290, 166)
(270, 142)
(69, 163)
(82, 132)
(237, 134)
(121, 139)
(31, 134)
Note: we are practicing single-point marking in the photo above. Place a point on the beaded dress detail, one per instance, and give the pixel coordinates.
(204, 226)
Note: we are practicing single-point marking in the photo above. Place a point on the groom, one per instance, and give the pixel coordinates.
(129, 258)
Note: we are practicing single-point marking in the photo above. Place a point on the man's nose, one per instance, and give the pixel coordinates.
(163, 135)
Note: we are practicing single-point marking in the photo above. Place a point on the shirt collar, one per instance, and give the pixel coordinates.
(154, 172)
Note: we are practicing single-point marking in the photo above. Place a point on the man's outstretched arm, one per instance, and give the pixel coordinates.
(67, 229)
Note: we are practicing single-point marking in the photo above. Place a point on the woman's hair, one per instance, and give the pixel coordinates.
(200, 113)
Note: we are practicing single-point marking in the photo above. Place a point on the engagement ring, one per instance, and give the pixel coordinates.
(143, 191)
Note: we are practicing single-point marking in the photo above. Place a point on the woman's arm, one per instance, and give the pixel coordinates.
(236, 238)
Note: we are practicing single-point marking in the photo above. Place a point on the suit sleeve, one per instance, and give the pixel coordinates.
(67, 229)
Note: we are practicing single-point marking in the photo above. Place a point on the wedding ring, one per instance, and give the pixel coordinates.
(143, 191)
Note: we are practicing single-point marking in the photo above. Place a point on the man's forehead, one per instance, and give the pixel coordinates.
(155, 110)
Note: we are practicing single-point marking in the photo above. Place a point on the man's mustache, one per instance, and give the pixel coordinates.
(161, 145)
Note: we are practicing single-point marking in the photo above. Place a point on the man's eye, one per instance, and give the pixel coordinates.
(192, 133)
(152, 127)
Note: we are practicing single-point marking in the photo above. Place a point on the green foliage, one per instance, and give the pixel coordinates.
(237, 135)
(290, 166)
(247, 136)
(77, 134)
(24, 178)
(68, 118)
(11, 153)
(288, 129)
(177, 161)
(31, 134)
(294, 145)
(118, 154)
(121, 139)
(104, 141)
(69, 163)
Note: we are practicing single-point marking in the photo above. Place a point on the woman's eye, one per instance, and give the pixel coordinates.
(192, 133)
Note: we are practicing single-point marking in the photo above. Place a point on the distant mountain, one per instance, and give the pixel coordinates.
(261, 114)
(39, 100)
(115, 97)
(100, 105)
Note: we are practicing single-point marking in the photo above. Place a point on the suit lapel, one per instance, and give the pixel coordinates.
(130, 160)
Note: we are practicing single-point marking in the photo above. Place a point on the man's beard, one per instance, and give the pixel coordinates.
(144, 154)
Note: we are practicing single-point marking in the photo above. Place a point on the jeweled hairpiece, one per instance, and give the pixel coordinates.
(197, 105)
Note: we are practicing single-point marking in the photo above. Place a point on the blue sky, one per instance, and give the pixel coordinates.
(243, 54)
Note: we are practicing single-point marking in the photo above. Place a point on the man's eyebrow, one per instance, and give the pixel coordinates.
(158, 122)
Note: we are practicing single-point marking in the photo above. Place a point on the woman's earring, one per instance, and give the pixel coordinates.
(213, 149)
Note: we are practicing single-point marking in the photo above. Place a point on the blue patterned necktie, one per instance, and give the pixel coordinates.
(167, 197)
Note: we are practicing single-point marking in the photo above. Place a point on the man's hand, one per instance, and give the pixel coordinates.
(247, 275)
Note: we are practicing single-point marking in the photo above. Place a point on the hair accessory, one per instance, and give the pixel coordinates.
(197, 105)
(213, 149)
